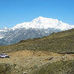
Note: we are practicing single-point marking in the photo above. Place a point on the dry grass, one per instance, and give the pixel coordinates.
(29, 60)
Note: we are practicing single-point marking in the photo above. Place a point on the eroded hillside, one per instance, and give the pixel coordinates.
(28, 61)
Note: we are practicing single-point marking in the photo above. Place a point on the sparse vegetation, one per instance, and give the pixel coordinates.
(41, 55)
(57, 42)
(60, 67)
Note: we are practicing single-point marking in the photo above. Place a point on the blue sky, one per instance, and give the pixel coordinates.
(13, 12)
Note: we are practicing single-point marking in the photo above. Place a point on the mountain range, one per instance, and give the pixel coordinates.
(36, 28)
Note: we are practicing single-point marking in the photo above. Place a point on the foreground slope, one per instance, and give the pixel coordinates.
(56, 42)
(37, 62)
(61, 67)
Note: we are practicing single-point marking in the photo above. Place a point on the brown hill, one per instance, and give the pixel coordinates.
(56, 42)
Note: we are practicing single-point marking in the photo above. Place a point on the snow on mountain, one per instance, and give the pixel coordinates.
(37, 28)
(44, 23)
(1, 37)
(3, 32)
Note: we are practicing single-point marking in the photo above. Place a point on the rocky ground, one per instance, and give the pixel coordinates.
(23, 62)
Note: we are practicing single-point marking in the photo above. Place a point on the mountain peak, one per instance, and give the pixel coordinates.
(44, 23)
(40, 17)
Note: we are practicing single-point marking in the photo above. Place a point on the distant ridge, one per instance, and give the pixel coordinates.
(56, 42)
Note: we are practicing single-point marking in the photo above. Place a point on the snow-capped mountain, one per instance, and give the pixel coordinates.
(44, 23)
(38, 27)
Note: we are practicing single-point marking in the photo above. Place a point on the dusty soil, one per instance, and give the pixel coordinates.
(30, 60)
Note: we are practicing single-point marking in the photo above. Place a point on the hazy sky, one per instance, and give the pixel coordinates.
(13, 12)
